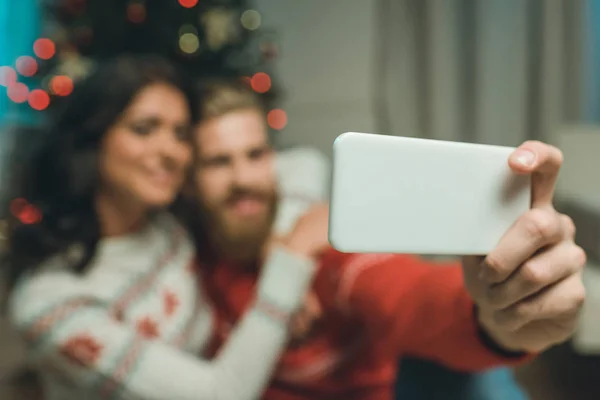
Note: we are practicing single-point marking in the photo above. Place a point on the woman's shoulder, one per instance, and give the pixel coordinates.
(119, 257)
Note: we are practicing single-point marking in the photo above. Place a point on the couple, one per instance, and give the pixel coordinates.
(154, 272)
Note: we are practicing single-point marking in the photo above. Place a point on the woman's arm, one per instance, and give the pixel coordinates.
(73, 334)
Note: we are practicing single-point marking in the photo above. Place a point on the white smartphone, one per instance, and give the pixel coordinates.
(393, 194)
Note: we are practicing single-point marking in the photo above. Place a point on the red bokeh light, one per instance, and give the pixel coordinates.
(261, 82)
(8, 76)
(29, 215)
(26, 65)
(44, 48)
(18, 92)
(277, 119)
(188, 3)
(39, 100)
(61, 85)
(25, 212)
(136, 13)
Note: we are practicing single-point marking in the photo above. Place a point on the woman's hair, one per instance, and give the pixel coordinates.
(57, 183)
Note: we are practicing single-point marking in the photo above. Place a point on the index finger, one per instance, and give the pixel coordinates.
(543, 162)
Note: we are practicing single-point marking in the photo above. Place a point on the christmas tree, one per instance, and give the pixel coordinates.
(208, 38)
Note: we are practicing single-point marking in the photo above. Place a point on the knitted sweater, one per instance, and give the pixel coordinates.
(376, 309)
(133, 325)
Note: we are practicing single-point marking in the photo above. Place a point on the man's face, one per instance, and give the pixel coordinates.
(235, 179)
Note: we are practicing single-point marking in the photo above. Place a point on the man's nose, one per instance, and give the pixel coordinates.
(243, 174)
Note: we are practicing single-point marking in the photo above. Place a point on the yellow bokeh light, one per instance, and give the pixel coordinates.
(250, 19)
(189, 43)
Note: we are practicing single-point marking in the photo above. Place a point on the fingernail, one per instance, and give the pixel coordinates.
(525, 157)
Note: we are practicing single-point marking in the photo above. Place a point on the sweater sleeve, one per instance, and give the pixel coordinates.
(73, 335)
(418, 308)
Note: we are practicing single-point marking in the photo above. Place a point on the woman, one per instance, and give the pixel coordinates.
(104, 289)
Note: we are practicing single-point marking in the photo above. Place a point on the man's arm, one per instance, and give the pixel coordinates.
(419, 308)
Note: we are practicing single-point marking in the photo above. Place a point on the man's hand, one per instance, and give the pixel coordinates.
(306, 319)
(529, 289)
(309, 237)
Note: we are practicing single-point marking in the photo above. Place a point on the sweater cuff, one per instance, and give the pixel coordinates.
(285, 279)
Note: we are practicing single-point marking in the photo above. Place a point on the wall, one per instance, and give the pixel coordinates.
(593, 72)
(326, 64)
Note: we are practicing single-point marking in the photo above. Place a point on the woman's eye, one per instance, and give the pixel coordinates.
(141, 129)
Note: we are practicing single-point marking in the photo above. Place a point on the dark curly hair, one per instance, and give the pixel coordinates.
(59, 178)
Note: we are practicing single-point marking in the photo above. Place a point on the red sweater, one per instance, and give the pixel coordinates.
(377, 308)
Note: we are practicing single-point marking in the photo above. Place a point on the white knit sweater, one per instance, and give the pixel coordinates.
(134, 325)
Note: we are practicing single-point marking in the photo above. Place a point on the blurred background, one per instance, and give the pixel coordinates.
(485, 71)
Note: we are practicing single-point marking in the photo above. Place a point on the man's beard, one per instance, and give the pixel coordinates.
(240, 239)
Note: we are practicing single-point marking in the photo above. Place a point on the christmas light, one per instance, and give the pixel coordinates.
(188, 3)
(25, 212)
(26, 66)
(189, 43)
(44, 48)
(250, 20)
(136, 12)
(261, 82)
(8, 76)
(29, 215)
(39, 100)
(17, 92)
(61, 85)
(277, 119)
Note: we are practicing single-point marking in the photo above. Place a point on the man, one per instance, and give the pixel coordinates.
(520, 299)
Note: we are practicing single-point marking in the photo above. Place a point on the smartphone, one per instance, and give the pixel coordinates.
(392, 194)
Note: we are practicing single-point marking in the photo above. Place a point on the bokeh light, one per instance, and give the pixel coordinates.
(61, 85)
(39, 99)
(136, 12)
(189, 43)
(25, 212)
(26, 66)
(44, 48)
(261, 82)
(17, 92)
(250, 19)
(8, 76)
(29, 215)
(277, 119)
(188, 3)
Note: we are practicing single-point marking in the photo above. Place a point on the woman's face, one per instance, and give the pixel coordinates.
(146, 152)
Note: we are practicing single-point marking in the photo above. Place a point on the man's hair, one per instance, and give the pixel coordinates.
(220, 97)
